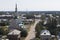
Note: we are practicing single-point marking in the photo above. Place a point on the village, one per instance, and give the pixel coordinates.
(29, 25)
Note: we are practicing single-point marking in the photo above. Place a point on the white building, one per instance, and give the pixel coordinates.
(45, 35)
(37, 16)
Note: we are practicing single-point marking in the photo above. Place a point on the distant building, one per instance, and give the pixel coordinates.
(45, 35)
(28, 21)
(37, 16)
(5, 20)
(14, 35)
(5, 16)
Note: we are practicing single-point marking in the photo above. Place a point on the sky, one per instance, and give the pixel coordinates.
(30, 5)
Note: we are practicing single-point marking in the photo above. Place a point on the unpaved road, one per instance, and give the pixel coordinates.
(31, 33)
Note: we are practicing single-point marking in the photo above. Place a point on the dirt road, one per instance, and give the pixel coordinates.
(31, 33)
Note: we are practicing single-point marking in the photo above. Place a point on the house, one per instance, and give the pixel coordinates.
(14, 35)
(45, 35)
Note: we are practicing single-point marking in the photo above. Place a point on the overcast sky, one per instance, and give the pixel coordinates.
(30, 5)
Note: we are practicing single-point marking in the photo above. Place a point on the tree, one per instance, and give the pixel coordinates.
(4, 30)
(3, 23)
(24, 33)
(52, 26)
(15, 17)
(43, 17)
(38, 29)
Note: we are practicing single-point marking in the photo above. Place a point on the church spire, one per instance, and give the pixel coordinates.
(16, 14)
(16, 8)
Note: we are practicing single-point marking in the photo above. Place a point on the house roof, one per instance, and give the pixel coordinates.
(15, 24)
(14, 32)
(45, 32)
(58, 25)
(18, 20)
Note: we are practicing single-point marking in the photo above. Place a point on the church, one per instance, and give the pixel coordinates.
(16, 23)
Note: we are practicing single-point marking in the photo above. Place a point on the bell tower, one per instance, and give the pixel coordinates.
(16, 13)
(16, 8)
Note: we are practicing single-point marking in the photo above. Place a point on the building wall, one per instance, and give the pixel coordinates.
(47, 37)
(13, 37)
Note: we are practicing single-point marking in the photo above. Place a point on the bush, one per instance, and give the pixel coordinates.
(4, 30)
(24, 33)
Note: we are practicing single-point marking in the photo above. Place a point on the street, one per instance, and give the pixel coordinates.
(31, 33)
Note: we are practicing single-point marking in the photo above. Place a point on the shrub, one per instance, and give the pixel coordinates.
(24, 33)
